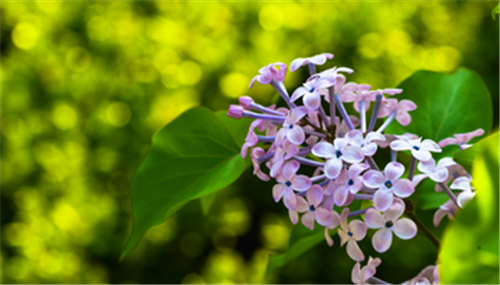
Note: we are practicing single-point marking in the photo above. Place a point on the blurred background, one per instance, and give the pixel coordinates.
(86, 84)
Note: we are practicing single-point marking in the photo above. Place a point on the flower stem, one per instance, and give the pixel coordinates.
(375, 280)
(423, 228)
(412, 168)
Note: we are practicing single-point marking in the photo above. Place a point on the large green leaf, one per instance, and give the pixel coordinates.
(446, 104)
(470, 247)
(193, 156)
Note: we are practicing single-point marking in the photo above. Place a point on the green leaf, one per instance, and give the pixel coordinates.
(193, 156)
(470, 247)
(301, 240)
(207, 202)
(495, 11)
(446, 104)
(237, 128)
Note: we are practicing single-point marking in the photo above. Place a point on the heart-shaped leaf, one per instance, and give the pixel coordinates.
(193, 156)
(446, 104)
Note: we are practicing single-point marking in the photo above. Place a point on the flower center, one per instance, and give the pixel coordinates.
(311, 90)
(290, 126)
(350, 182)
(416, 147)
(284, 154)
(389, 224)
(288, 184)
(338, 153)
(349, 234)
(311, 208)
(388, 184)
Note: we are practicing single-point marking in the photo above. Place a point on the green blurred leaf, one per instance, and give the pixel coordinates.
(301, 240)
(470, 247)
(206, 202)
(446, 105)
(191, 157)
(495, 11)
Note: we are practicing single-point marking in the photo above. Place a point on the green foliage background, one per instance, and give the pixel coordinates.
(86, 84)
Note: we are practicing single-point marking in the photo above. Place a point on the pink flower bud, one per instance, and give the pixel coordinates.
(245, 102)
(235, 111)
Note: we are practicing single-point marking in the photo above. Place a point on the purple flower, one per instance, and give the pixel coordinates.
(455, 171)
(401, 109)
(251, 139)
(461, 139)
(293, 132)
(389, 223)
(419, 149)
(348, 183)
(361, 275)
(289, 181)
(388, 184)
(319, 59)
(463, 183)
(352, 233)
(428, 276)
(282, 153)
(438, 173)
(310, 92)
(447, 209)
(312, 208)
(335, 154)
(270, 72)
(367, 145)
(256, 153)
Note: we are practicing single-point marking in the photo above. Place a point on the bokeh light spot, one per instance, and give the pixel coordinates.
(270, 17)
(193, 278)
(98, 28)
(118, 114)
(189, 73)
(370, 45)
(64, 117)
(234, 84)
(24, 36)
(78, 59)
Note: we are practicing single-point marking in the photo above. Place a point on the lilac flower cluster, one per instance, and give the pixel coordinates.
(315, 130)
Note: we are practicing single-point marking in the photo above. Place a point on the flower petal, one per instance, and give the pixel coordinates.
(403, 188)
(290, 169)
(323, 217)
(430, 146)
(296, 135)
(312, 100)
(333, 167)
(382, 199)
(427, 166)
(278, 192)
(405, 229)
(373, 219)
(440, 175)
(296, 114)
(323, 149)
(393, 171)
(308, 220)
(340, 196)
(352, 154)
(302, 205)
(399, 145)
(314, 195)
(354, 251)
(301, 183)
(382, 240)
(358, 229)
(328, 238)
(289, 198)
(395, 210)
(403, 118)
(294, 216)
(373, 179)
(421, 154)
(464, 197)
